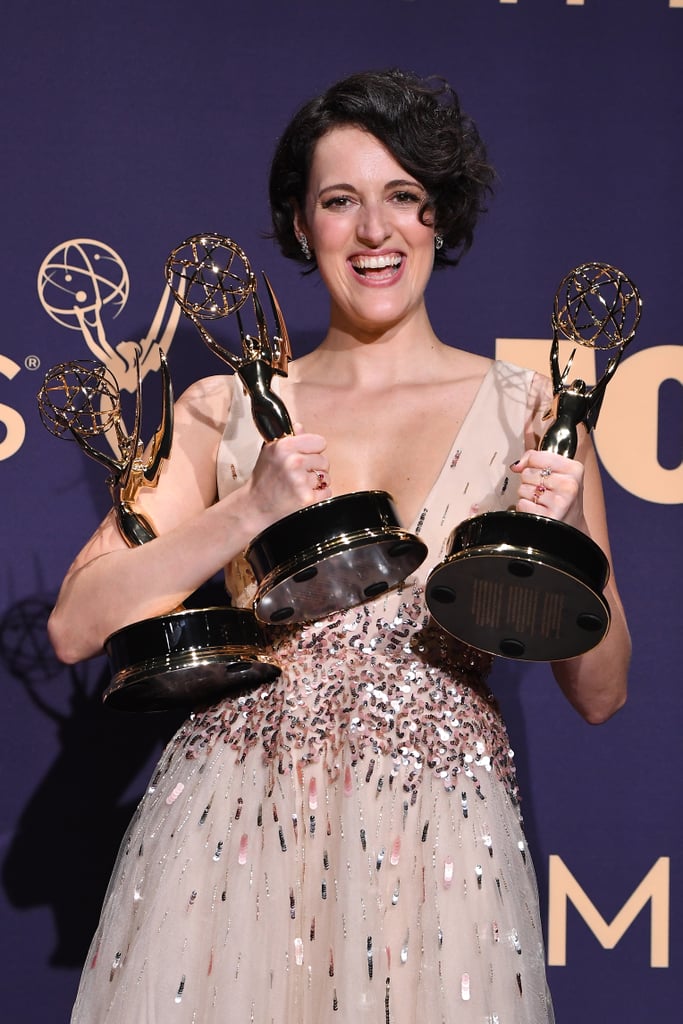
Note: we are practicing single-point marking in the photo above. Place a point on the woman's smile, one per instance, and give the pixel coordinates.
(377, 269)
(362, 220)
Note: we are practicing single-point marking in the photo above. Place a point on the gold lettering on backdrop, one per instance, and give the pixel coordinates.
(627, 438)
(563, 887)
(581, 3)
(10, 419)
(569, 3)
(626, 442)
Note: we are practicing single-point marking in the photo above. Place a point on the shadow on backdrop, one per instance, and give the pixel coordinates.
(66, 839)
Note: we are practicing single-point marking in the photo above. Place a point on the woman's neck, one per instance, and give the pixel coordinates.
(375, 358)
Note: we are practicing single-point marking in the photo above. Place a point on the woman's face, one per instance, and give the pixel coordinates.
(361, 219)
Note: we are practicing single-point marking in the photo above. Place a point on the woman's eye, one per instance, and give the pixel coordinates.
(336, 202)
(406, 197)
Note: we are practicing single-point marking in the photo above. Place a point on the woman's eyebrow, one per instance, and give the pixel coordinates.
(394, 183)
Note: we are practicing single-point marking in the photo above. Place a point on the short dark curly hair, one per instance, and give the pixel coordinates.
(421, 123)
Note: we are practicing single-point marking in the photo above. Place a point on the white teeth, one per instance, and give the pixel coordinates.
(376, 262)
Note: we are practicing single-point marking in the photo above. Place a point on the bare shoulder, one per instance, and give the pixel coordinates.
(464, 367)
(463, 360)
(207, 399)
(200, 416)
(188, 478)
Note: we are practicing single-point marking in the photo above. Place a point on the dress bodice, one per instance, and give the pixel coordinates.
(474, 478)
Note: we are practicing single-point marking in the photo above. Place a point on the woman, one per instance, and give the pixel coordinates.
(344, 843)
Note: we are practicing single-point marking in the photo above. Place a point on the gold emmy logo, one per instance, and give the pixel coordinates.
(83, 282)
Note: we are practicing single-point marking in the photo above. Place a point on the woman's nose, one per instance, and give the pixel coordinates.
(373, 225)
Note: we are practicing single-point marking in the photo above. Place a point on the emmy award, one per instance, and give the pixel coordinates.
(188, 656)
(327, 556)
(525, 586)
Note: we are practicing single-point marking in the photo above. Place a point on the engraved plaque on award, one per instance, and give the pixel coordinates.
(525, 586)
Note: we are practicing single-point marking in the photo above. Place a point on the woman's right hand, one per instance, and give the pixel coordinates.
(290, 473)
(197, 535)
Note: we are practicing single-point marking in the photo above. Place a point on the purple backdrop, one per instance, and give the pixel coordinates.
(128, 127)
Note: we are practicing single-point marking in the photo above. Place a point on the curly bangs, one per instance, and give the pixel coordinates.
(421, 123)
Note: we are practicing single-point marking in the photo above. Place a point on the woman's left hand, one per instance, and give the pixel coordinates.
(551, 485)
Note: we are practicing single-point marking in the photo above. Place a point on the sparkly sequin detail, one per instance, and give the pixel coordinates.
(398, 688)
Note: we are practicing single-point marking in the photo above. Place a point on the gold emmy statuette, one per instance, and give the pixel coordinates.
(525, 586)
(189, 656)
(330, 555)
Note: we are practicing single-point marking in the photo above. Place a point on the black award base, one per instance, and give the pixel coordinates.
(521, 586)
(186, 659)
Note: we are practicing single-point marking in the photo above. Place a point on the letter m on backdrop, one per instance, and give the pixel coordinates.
(563, 887)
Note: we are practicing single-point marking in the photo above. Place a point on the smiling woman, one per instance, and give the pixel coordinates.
(435, 145)
(360, 221)
(343, 843)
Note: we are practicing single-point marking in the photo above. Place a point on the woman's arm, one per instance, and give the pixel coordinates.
(595, 683)
(111, 585)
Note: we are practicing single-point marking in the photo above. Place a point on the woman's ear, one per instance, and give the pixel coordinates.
(298, 220)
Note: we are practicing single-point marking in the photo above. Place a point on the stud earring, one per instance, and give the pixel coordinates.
(438, 242)
(305, 247)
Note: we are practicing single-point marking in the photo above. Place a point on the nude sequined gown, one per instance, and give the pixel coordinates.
(342, 845)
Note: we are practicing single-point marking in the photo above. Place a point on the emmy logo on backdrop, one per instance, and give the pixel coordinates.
(81, 280)
(186, 657)
(335, 553)
(525, 586)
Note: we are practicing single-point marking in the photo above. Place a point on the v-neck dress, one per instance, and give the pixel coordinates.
(342, 845)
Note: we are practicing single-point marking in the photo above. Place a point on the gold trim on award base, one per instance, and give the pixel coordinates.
(524, 586)
(186, 657)
(328, 556)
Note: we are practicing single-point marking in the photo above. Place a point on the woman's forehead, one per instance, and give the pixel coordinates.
(350, 155)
